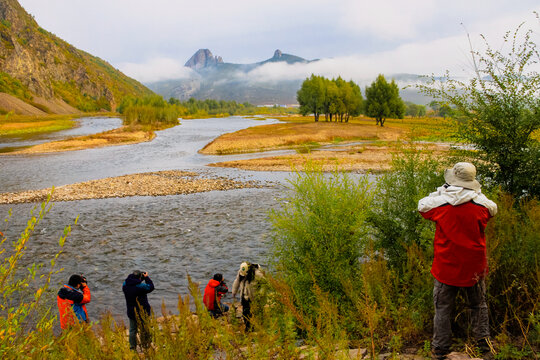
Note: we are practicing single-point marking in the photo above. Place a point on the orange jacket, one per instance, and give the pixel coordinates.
(71, 305)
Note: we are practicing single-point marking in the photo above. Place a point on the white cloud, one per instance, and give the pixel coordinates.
(388, 19)
(157, 69)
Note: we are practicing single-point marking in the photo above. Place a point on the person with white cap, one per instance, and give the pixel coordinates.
(460, 212)
(245, 285)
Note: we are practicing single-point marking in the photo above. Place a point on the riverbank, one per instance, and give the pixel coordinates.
(360, 157)
(170, 182)
(296, 135)
(122, 136)
(30, 125)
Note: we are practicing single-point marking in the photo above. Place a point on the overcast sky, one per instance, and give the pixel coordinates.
(152, 39)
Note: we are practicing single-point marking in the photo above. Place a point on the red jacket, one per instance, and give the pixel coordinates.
(459, 257)
(71, 305)
(213, 293)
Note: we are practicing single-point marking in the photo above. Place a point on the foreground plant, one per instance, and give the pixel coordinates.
(25, 323)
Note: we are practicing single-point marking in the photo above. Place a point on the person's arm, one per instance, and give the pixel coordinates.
(235, 285)
(147, 286)
(86, 294)
(69, 294)
(222, 288)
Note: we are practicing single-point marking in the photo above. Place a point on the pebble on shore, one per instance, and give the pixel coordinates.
(169, 182)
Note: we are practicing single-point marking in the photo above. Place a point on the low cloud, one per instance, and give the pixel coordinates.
(157, 69)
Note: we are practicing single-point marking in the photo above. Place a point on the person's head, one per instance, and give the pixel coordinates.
(139, 274)
(218, 277)
(463, 174)
(244, 267)
(76, 281)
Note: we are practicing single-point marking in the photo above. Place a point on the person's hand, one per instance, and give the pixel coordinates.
(144, 274)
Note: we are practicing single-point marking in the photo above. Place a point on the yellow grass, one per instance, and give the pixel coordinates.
(122, 136)
(21, 125)
(293, 134)
(374, 158)
(18, 125)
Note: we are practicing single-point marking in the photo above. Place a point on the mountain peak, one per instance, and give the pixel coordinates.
(277, 54)
(203, 58)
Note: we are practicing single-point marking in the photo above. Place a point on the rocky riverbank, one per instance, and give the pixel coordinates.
(170, 182)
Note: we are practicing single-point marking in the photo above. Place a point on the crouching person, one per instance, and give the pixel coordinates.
(71, 301)
(213, 293)
(136, 287)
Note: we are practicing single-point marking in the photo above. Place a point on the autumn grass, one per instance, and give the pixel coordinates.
(121, 136)
(374, 158)
(23, 125)
(291, 135)
(29, 125)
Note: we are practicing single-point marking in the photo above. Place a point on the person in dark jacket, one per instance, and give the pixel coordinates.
(71, 300)
(213, 293)
(136, 287)
(460, 212)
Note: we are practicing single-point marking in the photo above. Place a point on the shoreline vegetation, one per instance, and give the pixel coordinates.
(160, 183)
(358, 145)
(29, 125)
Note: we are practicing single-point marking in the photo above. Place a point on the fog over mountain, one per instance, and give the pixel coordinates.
(272, 81)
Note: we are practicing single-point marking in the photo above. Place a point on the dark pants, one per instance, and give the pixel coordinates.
(444, 297)
(246, 313)
(144, 334)
(223, 308)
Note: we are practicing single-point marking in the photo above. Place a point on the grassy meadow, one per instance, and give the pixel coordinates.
(26, 125)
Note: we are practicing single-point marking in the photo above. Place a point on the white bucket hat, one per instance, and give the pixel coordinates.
(243, 268)
(463, 174)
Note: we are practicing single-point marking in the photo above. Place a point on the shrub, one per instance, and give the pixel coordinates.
(500, 110)
(319, 235)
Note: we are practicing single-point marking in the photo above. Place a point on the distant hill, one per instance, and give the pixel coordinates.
(213, 78)
(40, 73)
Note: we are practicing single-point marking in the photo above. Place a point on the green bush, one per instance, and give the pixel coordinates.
(396, 223)
(149, 110)
(319, 235)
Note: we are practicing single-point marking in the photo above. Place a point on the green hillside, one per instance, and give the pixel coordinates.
(41, 69)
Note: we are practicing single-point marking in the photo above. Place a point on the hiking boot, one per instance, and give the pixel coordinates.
(439, 354)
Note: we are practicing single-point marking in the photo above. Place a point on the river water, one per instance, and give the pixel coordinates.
(169, 236)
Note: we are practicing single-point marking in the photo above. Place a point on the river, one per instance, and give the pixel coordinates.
(170, 236)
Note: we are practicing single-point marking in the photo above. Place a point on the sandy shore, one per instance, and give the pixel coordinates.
(171, 182)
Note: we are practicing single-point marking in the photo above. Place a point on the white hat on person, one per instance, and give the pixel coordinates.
(243, 268)
(463, 174)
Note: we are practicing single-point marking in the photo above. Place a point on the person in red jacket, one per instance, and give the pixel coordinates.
(213, 293)
(71, 301)
(460, 212)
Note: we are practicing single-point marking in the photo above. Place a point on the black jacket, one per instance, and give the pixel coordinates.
(135, 291)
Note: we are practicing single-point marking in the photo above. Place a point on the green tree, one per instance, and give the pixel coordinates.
(415, 110)
(499, 109)
(311, 96)
(383, 100)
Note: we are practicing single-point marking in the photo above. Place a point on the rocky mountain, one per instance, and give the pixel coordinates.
(41, 73)
(203, 58)
(213, 78)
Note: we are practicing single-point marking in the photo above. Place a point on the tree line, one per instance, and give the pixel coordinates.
(338, 99)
